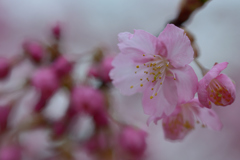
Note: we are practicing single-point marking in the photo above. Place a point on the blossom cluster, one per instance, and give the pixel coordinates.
(53, 72)
(158, 67)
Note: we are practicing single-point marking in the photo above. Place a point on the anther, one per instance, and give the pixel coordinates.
(141, 85)
(161, 83)
(160, 77)
(152, 88)
(135, 72)
(137, 66)
(174, 78)
(155, 94)
(143, 54)
(131, 87)
(151, 97)
(141, 79)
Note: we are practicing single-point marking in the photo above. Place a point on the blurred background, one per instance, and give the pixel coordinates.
(91, 24)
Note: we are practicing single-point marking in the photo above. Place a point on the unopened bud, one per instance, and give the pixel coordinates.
(35, 50)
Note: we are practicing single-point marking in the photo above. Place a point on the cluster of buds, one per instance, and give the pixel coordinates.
(53, 72)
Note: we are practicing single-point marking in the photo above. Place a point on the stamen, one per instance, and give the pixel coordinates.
(137, 66)
(155, 94)
(152, 88)
(151, 97)
(141, 85)
(131, 87)
(141, 79)
(143, 54)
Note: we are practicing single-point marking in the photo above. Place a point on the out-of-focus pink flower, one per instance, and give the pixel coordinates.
(5, 67)
(102, 70)
(106, 67)
(100, 118)
(87, 99)
(62, 66)
(132, 141)
(10, 152)
(98, 142)
(56, 31)
(4, 114)
(182, 120)
(156, 66)
(35, 50)
(217, 88)
(45, 81)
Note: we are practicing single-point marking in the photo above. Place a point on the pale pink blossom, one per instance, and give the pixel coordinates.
(183, 119)
(156, 66)
(216, 88)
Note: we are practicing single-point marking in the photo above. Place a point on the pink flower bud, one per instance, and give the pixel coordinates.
(87, 99)
(106, 67)
(56, 31)
(100, 118)
(98, 142)
(133, 141)
(5, 67)
(60, 127)
(4, 114)
(34, 50)
(10, 152)
(62, 66)
(93, 72)
(45, 81)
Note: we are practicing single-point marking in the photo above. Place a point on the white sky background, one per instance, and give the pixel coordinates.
(90, 23)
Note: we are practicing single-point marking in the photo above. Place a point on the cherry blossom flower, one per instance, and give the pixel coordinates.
(217, 88)
(182, 120)
(156, 66)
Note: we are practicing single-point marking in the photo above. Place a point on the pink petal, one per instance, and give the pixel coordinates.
(165, 101)
(228, 84)
(179, 49)
(186, 82)
(202, 94)
(123, 75)
(179, 124)
(139, 43)
(206, 116)
(215, 71)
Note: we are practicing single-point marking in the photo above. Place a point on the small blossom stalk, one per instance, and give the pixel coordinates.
(216, 88)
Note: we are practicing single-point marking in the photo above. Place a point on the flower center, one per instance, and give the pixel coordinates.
(155, 72)
(218, 94)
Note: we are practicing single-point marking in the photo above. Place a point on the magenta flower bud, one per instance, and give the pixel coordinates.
(216, 88)
(106, 67)
(4, 114)
(5, 66)
(133, 141)
(93, 72)
(56, 31)
(10, 152)
(98, 142)
(87, 99)
(62, 66)
(100, 118)
(34, 50)
(45, 81)
(60, 127)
